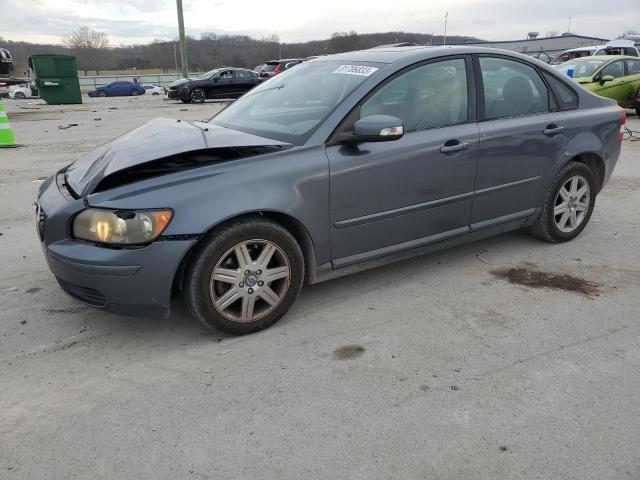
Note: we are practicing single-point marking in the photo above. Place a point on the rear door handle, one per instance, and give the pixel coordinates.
(552, 130)
(450, 146)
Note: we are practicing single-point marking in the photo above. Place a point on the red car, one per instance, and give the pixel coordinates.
(274, 67)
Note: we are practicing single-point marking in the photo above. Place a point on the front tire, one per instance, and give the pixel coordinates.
(568, 204)
(244, 277)
(20, 96)
(135, 93)
(102, 94)
(198, 95)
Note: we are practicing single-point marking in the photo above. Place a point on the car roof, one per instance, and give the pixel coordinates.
(609, 57)
(585, 49)
(417, 53)
(284, 60)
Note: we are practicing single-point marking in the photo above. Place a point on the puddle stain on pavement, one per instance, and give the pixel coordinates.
(540, 279)
(348, 352)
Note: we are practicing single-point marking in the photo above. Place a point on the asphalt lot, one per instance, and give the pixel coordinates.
(442, 367)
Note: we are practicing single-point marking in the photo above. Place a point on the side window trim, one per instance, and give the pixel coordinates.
(482, 117)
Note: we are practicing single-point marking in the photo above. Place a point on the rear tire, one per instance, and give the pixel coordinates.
(568, 204)
(20, 96)
(222, 295)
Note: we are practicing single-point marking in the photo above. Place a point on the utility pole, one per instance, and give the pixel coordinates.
(446, 18)
(569, 26)
(183, 41)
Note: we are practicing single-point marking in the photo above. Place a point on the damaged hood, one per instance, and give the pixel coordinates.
(157, 139)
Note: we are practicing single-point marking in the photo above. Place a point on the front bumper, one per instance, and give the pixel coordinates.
(131, 281)
(178, 94)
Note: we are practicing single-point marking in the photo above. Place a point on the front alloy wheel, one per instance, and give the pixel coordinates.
(244, 276)
(197, 95)
(250, 280)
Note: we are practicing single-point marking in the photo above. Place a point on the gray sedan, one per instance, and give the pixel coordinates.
(342, 163)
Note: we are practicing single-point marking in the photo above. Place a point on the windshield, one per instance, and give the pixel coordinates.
(582, 67)
(209, 74)
(269, 67)
(289, 106)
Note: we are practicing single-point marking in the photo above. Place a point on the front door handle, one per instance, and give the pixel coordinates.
(552, 129)
(453, 146)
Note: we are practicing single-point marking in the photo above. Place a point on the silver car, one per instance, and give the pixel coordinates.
(340, 164)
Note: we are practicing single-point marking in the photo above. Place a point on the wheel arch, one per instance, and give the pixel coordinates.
(294, 226)
(595, 162)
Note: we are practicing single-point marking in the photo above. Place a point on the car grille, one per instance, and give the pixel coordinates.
(84, 294)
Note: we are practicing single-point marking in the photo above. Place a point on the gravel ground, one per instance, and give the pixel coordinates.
(504, 359)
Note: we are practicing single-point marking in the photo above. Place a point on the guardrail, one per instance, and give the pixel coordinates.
(155, 78)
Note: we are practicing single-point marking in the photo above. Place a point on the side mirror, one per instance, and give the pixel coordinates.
(606, 78)
(378, 128)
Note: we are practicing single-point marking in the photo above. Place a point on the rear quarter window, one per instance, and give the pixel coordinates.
(565, 96)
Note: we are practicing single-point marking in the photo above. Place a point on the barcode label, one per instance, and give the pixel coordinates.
(355, 70)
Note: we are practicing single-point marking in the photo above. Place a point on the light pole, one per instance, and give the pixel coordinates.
(444, 39)
(183, 41)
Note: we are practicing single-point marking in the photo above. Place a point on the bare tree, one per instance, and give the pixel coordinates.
(89, 46)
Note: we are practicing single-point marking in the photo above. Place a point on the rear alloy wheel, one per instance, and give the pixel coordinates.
(246, 277)
(568, 204)
(135, 93)
(198, 95)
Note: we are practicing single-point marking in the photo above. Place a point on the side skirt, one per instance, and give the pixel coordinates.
(327, 271)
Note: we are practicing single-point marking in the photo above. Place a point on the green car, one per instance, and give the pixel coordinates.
(612, 76)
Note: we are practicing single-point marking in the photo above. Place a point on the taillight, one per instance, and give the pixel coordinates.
(623, 121)
(278, 68)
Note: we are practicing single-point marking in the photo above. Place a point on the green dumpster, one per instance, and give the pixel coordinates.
(56, 77)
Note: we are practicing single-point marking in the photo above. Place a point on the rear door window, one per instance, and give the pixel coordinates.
(429, 96)
(633, 67)
(512, 88)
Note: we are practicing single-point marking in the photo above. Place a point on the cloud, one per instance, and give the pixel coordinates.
(139, 21)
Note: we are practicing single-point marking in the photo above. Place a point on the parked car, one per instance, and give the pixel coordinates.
(616, 77)
(22, 91)
(274, 67)
(614, 47)
(6, 62)
(343, 163)
(120, 88)
(217, 83)
(151, 89)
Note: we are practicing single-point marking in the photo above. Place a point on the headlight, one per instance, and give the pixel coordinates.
(120, 227)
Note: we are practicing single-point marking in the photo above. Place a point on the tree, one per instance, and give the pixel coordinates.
(89, 47)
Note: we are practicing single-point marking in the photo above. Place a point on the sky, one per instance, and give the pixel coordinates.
(141, 21)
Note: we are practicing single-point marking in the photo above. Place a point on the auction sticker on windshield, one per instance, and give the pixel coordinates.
(355, 70)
